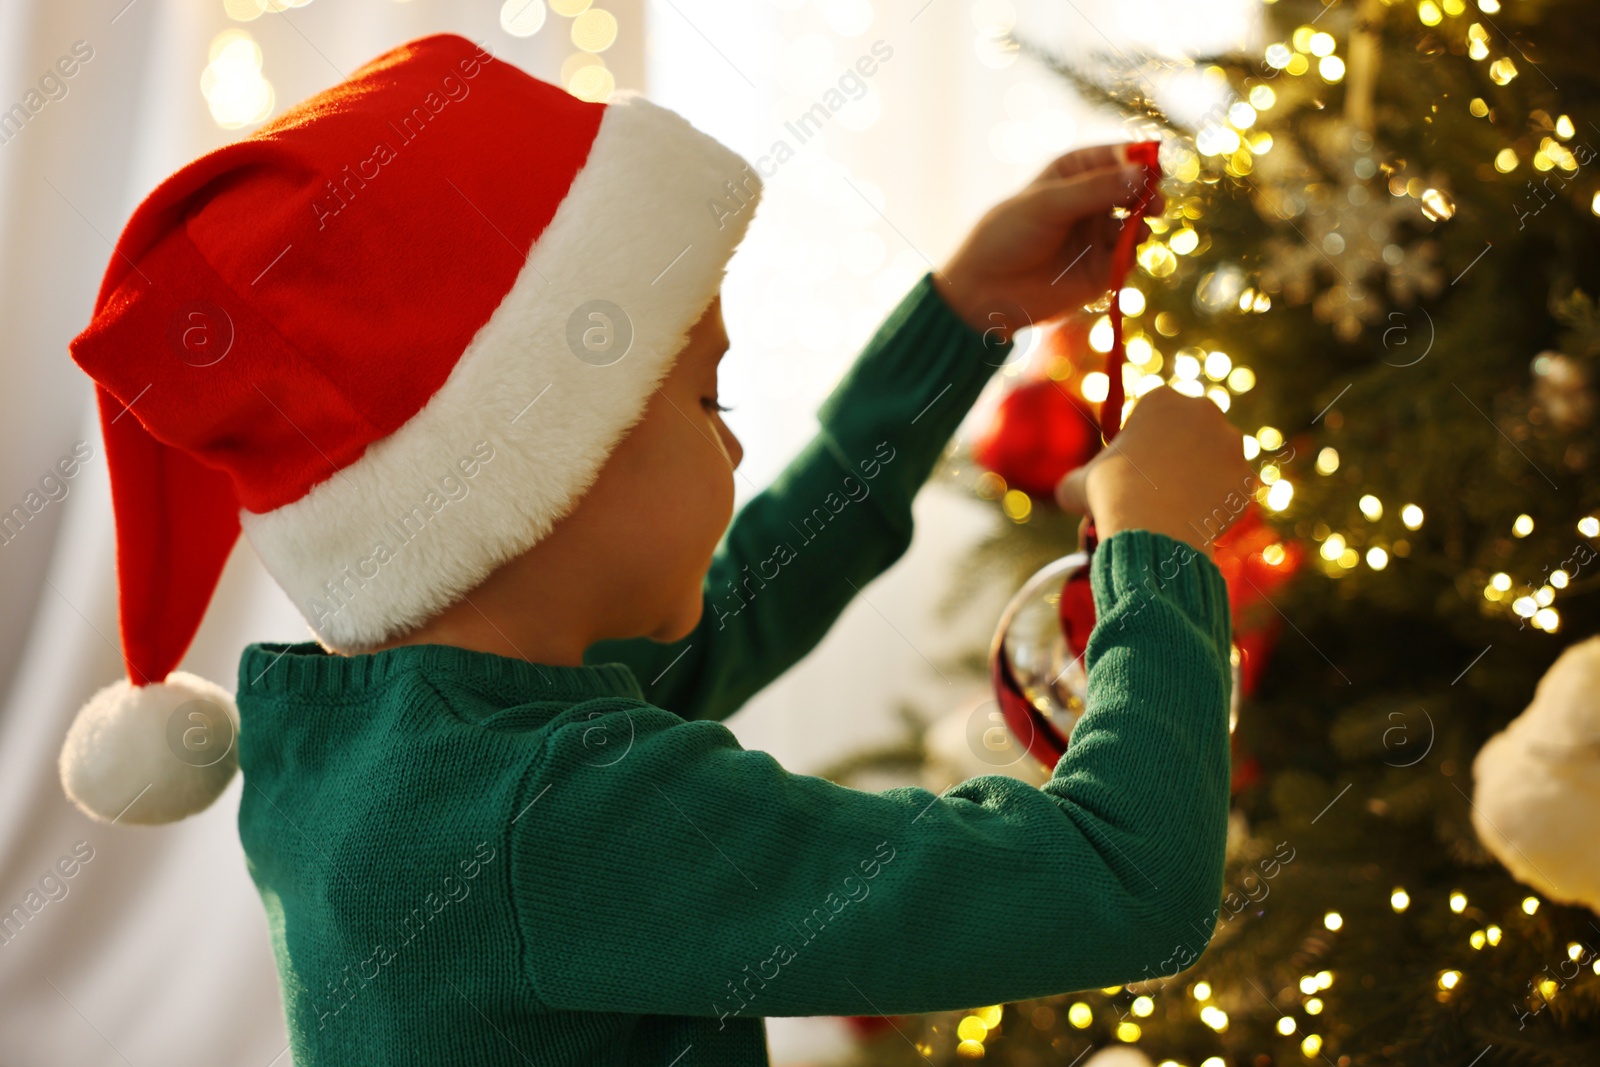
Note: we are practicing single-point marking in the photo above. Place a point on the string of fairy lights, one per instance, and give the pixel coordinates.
(1202, 1000)
(238, 94)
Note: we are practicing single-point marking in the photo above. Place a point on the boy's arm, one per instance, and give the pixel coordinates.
(835, 518)
(695, 877)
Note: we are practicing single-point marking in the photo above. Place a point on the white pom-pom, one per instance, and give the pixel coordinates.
(153, 753)
(1536, 799)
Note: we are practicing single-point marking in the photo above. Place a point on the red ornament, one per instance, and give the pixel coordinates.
(1076, 611)
(1241, 555)
(869, 1026)
(1036, 661)
(1040, 433)
(1039, 679)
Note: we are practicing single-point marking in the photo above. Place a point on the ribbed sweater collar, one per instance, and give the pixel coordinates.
(306, 671)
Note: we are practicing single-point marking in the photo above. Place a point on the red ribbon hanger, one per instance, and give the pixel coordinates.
(1147, 153)
(1075, 609)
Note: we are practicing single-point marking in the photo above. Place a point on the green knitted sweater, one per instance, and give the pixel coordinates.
(469, 859)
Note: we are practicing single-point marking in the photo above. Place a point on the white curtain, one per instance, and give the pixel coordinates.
(155, 948)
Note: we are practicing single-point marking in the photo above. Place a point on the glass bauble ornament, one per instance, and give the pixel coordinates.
(1036, 659)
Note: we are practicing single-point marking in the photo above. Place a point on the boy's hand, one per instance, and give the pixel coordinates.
(1177, 468)
(1046, 250)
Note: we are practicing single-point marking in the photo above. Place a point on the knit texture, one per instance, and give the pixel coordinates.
(469, 859)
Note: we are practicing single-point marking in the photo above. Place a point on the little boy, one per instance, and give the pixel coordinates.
(443, 342)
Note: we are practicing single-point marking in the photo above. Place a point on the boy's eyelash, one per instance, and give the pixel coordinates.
(721, 406)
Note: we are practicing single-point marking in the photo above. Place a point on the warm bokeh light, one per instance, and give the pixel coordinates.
(522, 18)
(1017, 505)
(1100, 335)
(234, 89)
(592, 82)
(594, 30)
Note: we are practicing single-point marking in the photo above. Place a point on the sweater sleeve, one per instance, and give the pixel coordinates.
(833, 520)
(692, 876)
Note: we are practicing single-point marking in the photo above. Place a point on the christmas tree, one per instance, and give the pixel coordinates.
(1378, 254)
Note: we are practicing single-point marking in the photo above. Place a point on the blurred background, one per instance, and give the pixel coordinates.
(1376, 254)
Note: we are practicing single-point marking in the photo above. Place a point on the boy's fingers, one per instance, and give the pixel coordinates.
(1064, 202)
(1082, 160)
(1086, 250)
(1108, 229)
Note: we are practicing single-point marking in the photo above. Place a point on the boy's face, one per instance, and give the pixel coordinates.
(630, 559)
(665, 495)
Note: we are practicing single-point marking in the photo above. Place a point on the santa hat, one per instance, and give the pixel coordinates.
(393, 336)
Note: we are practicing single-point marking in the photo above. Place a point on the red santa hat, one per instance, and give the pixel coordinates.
(392, 336)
